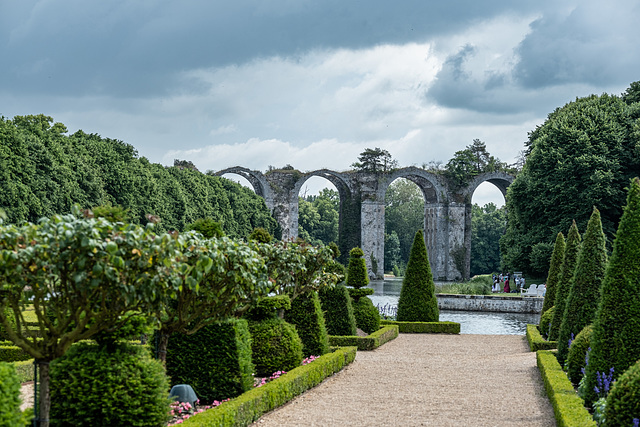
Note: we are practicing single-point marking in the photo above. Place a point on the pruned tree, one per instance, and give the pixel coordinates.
(375, 160)
(81, 276)
(554, 273)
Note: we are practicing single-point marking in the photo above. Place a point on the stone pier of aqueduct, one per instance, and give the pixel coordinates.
(447, 215)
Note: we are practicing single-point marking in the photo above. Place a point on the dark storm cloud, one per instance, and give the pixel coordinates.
(594, 44)
(76, 47)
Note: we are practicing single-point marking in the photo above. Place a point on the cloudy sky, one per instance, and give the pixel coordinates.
(311, 83)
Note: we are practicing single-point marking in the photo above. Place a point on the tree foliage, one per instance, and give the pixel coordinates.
(615, 341)
(44, 172)
(582, 156)
(470, 162)
(584, 293)
(487, 226)
(553, 276)
(571, 251)
(318, 217)
(404, 215)
(375, 160)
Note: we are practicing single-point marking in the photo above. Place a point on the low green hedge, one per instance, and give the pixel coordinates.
(370, 342)
(24, 370)
(568, 407)
(536, 342)
(251, 405)
(11, 353)
(425, 327)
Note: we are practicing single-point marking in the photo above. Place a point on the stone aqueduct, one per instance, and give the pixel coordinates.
(447, 216)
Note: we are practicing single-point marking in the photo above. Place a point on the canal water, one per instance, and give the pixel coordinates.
(387, 292)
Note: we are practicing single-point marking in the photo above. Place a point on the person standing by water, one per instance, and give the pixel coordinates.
(507, 289)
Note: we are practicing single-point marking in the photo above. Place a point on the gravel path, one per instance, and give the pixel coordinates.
(428, 379)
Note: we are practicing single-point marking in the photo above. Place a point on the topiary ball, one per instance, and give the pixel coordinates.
(545, 321)
(366, 314)
(95, 386)
(577, 353)
(623, 401)
(275, 346)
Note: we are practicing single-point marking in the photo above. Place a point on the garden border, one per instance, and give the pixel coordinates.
(249, 406)
(383, 335)
(568, 407)
(535, 340)
(425, 327)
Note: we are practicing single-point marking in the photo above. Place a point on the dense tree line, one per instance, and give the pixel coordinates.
(44, 171)
(318, 217)
(583, 155)
(488, 223)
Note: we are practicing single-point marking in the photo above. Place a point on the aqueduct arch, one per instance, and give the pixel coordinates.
(447, 216)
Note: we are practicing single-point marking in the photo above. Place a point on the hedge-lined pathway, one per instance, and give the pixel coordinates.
(428, 379)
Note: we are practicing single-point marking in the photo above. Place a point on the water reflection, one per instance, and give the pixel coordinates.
(386, 292)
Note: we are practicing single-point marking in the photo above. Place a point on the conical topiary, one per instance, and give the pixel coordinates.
(366, 314)
(306, 315)
(564, 282)
(417, 302)
(584, 295)
(357, 276)
(338, 311)
(554, 273)
(615, 342)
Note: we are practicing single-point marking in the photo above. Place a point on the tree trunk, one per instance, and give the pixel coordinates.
(45, 395)
(162, 347)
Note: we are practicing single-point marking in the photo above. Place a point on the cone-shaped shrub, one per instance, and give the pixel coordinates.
(417, 302)
(306, 315)
(571, 251)
(357, 276)
(615, 342)
(584, 295)
(554, 273)
(338, 311)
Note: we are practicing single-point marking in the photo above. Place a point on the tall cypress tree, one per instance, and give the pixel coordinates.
(584, 295)
(554, 273)
(615, 342)
(566, 276)
(417, 302)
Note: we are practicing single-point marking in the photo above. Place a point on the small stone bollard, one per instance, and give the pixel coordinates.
(183, 393)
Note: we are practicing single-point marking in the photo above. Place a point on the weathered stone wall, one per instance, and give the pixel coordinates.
(372, 214)
(490, 303)
(447, 222)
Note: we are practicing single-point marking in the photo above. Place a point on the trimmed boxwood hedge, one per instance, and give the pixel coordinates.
(11, 353)
(24, 370)
(370, 342)
(121, 385)
(568, 408)
(338, 311)
(250, 406)
(535, 340)
(425, 327)
(306, 315)
(215, 361)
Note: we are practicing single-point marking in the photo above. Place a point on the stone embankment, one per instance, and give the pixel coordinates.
(503, 304)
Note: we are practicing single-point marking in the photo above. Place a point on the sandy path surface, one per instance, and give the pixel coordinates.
(428, 380)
